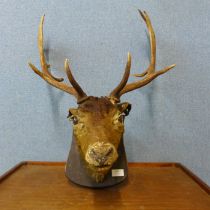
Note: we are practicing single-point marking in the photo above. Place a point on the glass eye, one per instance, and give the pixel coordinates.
(121, 117)
(73, 119)
(72, 116)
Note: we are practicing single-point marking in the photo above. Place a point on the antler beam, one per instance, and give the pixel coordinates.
(45, 74)
(149, 74)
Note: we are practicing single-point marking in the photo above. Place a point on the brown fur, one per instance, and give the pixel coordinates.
(94, 104)
(98, 121)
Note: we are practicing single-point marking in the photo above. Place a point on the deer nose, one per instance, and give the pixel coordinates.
(101, 154)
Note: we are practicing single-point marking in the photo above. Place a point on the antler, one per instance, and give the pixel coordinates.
(149, 74)
(114, 95)
(45, 74)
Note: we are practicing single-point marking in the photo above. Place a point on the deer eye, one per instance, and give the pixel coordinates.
(121, 117)
(72, 117)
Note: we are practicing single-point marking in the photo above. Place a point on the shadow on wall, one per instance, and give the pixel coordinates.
(134, 141)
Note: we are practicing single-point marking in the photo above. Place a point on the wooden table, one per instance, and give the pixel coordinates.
(150, 186)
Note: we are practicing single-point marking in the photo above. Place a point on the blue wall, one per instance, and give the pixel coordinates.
(170, 117)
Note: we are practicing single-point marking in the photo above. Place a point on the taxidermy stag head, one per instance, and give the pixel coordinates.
(98, 122)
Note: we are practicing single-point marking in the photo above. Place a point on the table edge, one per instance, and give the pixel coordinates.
(188, 172)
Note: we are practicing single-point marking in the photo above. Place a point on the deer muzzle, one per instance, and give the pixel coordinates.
(101, 155)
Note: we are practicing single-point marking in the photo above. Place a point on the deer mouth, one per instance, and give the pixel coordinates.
(102, 168)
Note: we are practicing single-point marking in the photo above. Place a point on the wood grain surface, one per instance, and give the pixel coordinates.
(150, 186)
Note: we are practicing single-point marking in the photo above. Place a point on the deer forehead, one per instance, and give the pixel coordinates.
(98, 108)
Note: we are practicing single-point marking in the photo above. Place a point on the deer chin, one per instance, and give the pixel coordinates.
(98, 173)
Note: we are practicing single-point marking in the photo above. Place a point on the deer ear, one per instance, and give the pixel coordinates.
(124, 108)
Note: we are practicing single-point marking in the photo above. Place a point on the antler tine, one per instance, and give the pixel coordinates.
(44, 65)
(59, 85)
(152, 39)
(114, 95)
(81, 95)
(48, 77)
(149, 74)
